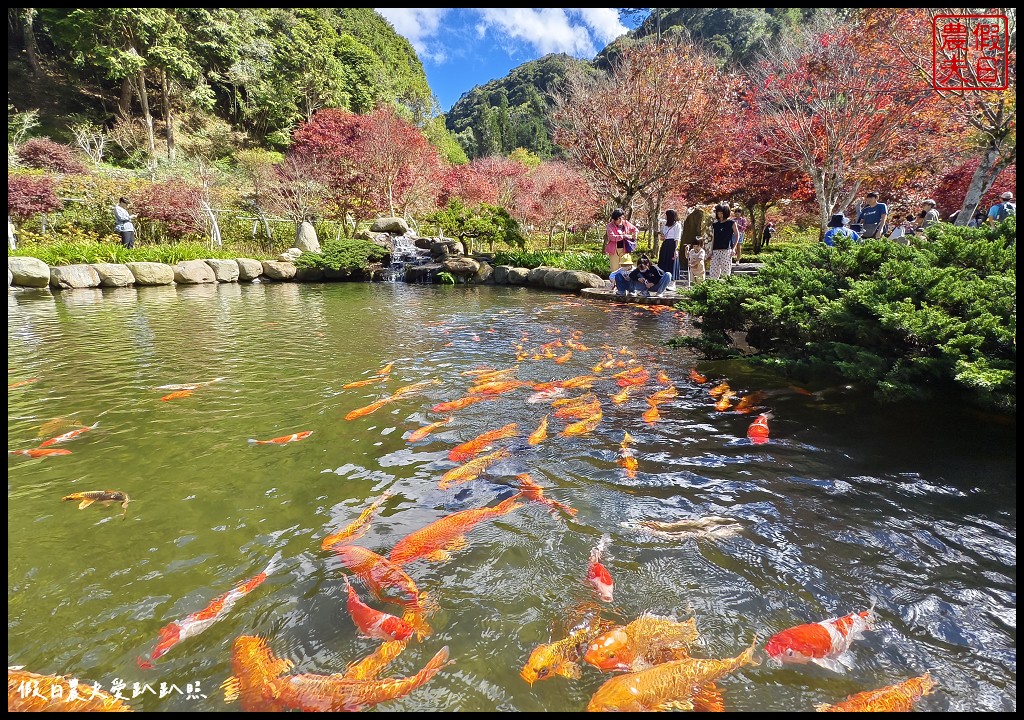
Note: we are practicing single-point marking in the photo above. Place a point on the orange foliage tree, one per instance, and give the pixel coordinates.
(638, 129)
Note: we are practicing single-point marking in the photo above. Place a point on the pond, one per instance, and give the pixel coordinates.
(909, 507)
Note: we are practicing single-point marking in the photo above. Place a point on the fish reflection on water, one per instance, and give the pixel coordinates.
(784, 535)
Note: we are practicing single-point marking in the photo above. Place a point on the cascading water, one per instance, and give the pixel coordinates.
(404, 254)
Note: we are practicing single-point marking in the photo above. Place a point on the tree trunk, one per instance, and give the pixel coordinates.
(988, 170)
(146, 115)
(124, 103)
(168, 116)
(27, 17)
(565, 237)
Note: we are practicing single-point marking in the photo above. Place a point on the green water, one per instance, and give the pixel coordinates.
(910, 506)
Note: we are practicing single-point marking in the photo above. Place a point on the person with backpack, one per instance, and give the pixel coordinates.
(1002, 210)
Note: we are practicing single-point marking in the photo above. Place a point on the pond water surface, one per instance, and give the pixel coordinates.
(908, 506)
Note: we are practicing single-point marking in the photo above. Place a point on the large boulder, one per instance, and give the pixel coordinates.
(151, 273)
(537, 274)
(577, 280)
(518, 276)
(305, 237)
(276, 270)
(391, 225)
(423, 243)
(461, 266)
(501, 274)
(484, 274)
(193, 272)
(249, 269)
(422, 273)
(66, 277)
(693, 226)
(28, 271)
(114, 275)
(224, 270)
(309, 274)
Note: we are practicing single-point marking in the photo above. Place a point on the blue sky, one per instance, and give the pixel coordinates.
(461, 48)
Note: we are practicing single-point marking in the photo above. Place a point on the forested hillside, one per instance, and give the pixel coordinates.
(259, 72)
(514, 111)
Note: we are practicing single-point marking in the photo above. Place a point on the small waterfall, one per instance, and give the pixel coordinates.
(403, 254)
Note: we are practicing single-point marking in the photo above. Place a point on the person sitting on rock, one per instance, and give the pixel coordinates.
(648, 278)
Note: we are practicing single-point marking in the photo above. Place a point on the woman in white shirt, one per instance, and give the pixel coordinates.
(668, 256)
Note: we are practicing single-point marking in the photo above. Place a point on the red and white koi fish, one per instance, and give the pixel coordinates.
(40, 452)
(283, 439)
(373, 623)
(189, 386)
(191, 625)
(823, 643)
(69, 435)
(547, 394)
(758, 430)
(597, 574)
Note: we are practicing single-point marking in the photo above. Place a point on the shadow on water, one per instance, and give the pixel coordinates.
(909, 506)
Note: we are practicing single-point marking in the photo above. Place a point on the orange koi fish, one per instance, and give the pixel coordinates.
(668, 686)
(538, 435)
(580, 382)
(472, 469)
(697, 377)
(178, 395)
(437, 540)
(57, 424)
(562, 359)
(621, 396)
(422, 432)
(388, 581)
(40, 452)
(532, 491)
(104, 497)
(663, 379)
(725, 402)
(583, 426)
(633, 376)
(371, 666)
(257, 683)
(644, 642)
(892, 698)
(823, 643)
(651, 415)
(407, 389)
(367, 409)
(358, 527)
(470, 449)
(283, 439)
(719, 390)
(191, 625)
(367, 381)
(626, 458)
(374, 623)
(30, 692)
(386, 370)
(497, 387)
(758, 430)
(22, 383)
(562, 657)
(69, 435)
(486, 374)
(663, 395)
(597, 574)
(460, 403)
(335, 693)
(748, 402)
(584, 408)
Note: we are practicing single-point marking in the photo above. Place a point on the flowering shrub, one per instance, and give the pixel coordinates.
(174, 203)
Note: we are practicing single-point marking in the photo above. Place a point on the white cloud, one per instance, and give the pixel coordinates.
(604, 22)
(420, 27)
(548, 30)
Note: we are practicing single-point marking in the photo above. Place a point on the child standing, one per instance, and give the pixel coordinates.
(695, 257)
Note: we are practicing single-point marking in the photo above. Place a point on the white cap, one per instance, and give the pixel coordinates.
(1006, 195)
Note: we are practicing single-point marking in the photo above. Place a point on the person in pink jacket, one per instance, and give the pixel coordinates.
(618, 232)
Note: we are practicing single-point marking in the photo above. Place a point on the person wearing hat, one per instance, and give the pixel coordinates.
(648, 278)
(836, 228)
(620, 277)
(619, 231)
(1002, 210)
